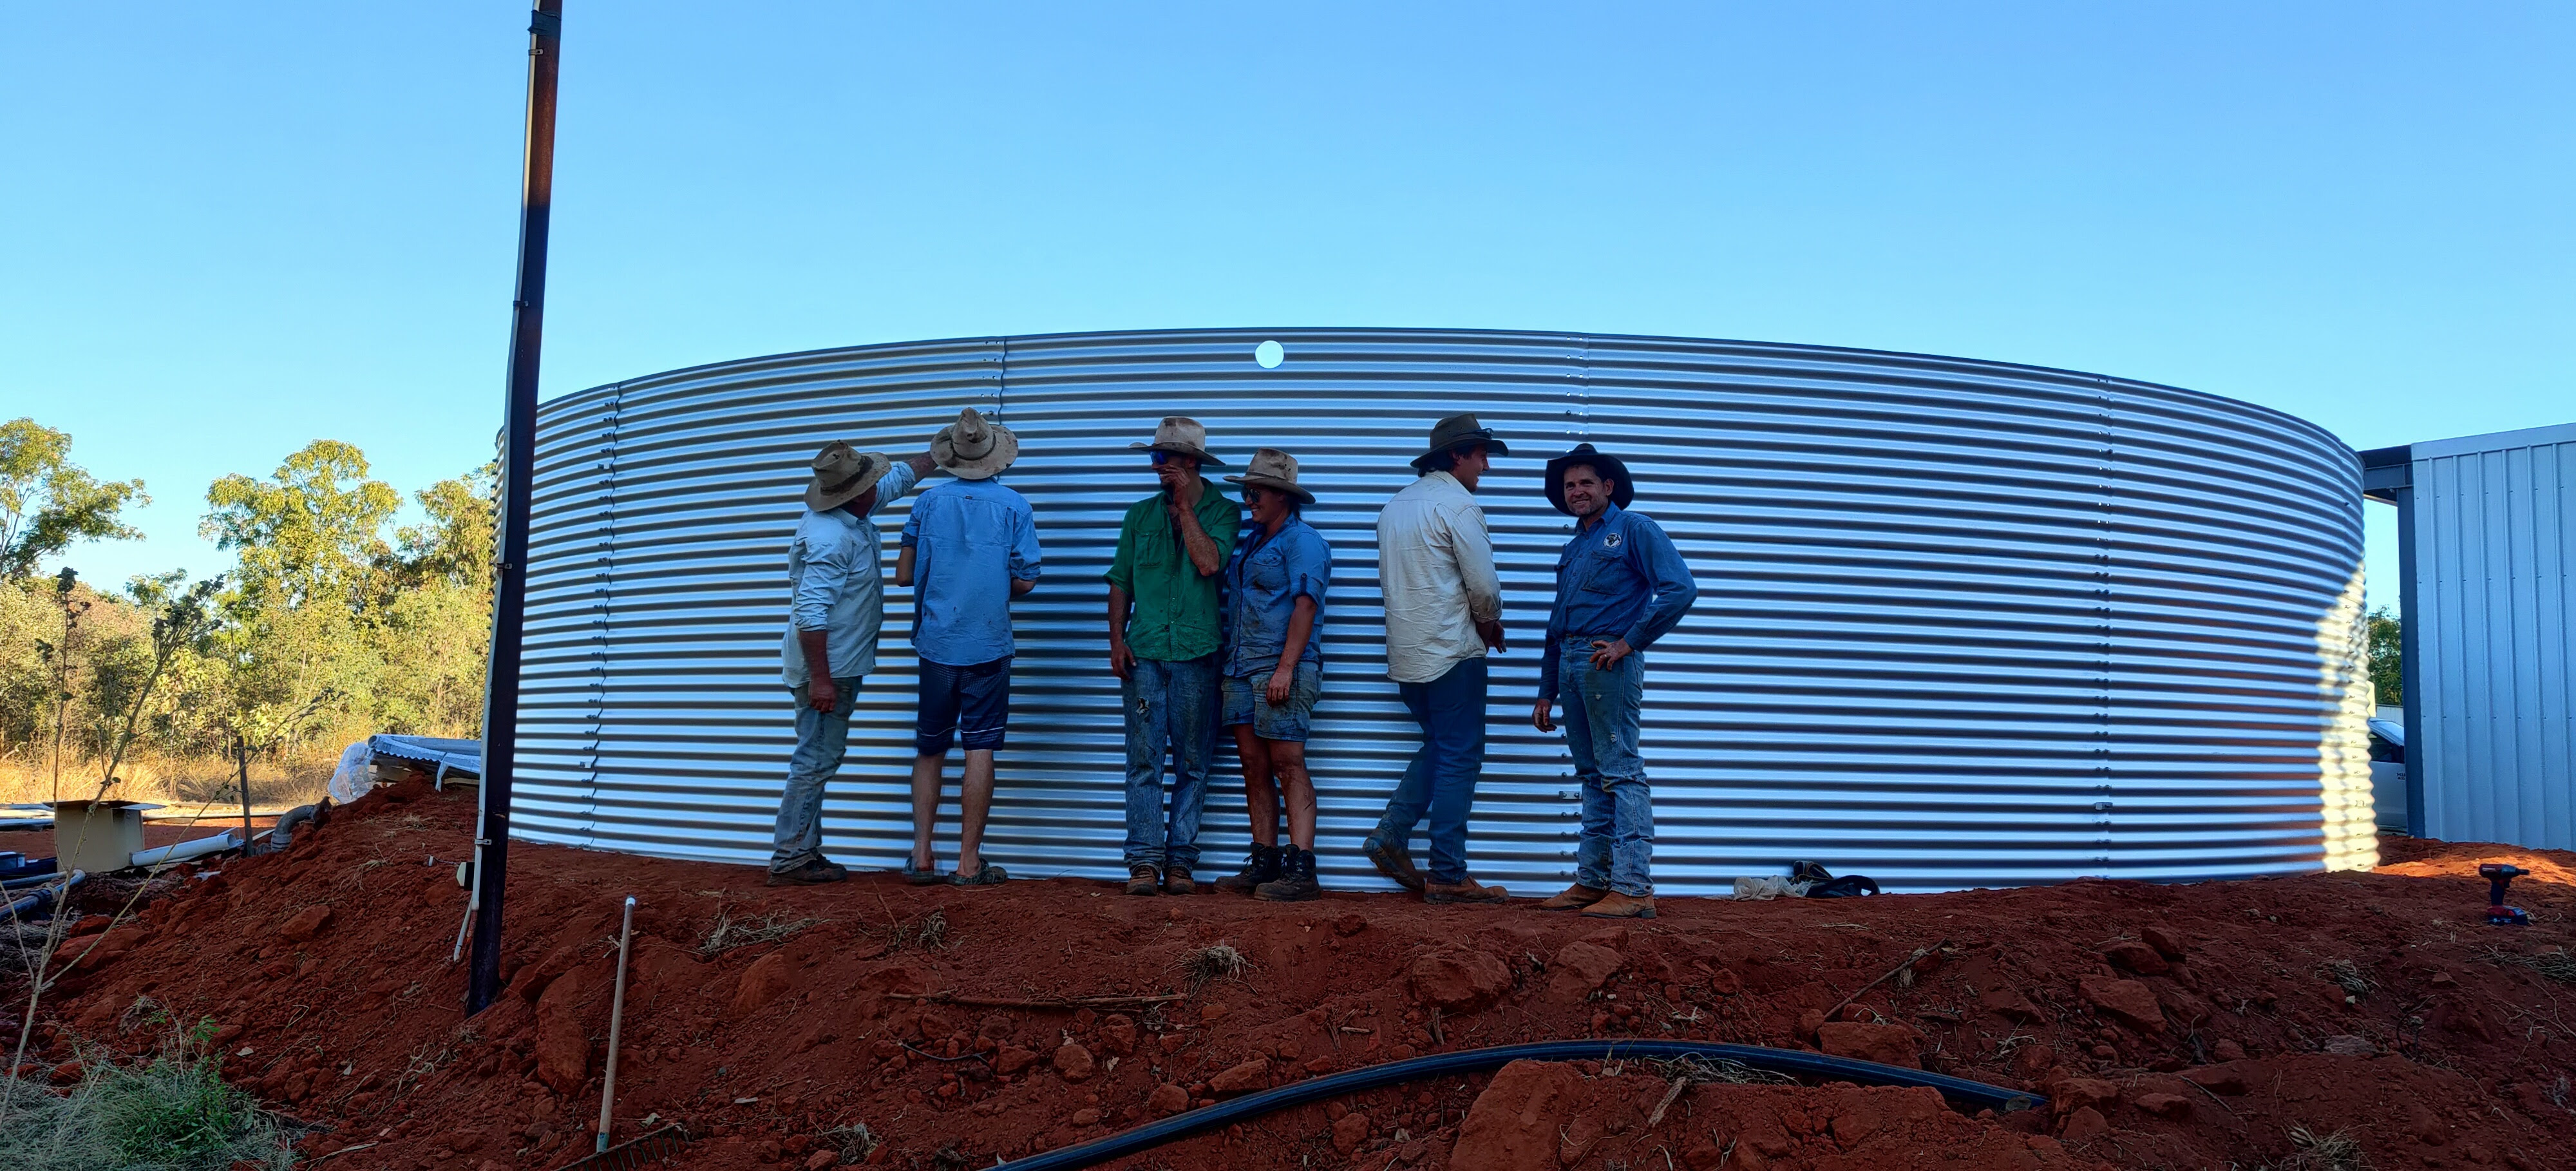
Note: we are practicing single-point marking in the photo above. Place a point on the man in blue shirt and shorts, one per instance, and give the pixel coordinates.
(1273, 673)
(970, 546)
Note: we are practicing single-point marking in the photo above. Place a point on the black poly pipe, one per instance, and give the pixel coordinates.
(1961, 1092)
(35, 904)
(518, 466)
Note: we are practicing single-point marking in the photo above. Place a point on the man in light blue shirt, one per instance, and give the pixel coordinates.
(838, 608)
(970, 546)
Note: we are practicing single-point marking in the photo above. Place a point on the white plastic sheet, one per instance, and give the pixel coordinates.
(354, 776)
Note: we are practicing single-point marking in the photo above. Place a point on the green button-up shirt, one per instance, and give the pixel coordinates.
(1175, 614)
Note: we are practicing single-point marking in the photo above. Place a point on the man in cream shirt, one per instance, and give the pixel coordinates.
(1443, 609)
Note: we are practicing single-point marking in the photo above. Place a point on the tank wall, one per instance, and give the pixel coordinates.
(1961, 623)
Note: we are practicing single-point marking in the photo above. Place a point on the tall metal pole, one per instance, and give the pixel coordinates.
(518, 465)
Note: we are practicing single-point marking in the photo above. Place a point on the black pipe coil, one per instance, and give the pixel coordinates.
(1961, 1093)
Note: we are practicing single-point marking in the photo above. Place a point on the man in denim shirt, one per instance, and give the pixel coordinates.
(1274, 673)
(838, 608)
(1162, 647)
(972, 546)
(1619, 586)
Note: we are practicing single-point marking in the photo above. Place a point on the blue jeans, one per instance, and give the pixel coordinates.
(821, 738)
(1442, 778)
(1171, 710)
(1617, 851)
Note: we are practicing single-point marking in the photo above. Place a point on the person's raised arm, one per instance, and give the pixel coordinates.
(1206, 555)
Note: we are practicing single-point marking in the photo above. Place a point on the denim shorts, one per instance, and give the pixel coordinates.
(1247, 701)
(969, 704)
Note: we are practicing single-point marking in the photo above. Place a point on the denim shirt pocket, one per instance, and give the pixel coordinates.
(1604, 572)
(1267, 570)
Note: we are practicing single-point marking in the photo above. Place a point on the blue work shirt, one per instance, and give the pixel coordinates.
(969, 539)
(1262, 585)
(836, 583)
(1620, 578)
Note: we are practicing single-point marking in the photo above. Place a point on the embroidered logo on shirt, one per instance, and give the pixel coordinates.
(1609, 540)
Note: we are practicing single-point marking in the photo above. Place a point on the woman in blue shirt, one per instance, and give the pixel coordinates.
(1272, 673)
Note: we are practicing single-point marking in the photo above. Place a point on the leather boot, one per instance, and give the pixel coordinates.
(1261, 866)
(1618, 906)
(1465, 890)
(1393, 862)
(1577, 895)
(1141, 880)
(1296, 882)
(1177, 881)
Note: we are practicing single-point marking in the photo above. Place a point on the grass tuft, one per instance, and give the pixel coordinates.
(728, 932)
(929, 933)
(2335, 1150)
(174, 1114)
(1210, 964)
(2554, 964)
(1697, 1070)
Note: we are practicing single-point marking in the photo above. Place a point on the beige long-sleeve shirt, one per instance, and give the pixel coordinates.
(1435, 565)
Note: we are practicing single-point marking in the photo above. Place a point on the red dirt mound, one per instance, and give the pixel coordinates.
(2172, 1026)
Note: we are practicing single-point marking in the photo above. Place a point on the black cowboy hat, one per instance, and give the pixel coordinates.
(1622, 488)
(1455, 432)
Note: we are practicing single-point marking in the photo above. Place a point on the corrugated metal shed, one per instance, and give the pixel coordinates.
(2488, 539)
(1963, 623)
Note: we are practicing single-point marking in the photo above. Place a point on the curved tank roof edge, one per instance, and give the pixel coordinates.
(1290, 331)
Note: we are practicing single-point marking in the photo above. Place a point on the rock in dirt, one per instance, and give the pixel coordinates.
(2347, 1045)
(767, 979)
(1011, 1059)
(1167, 1099)
(1074, 1063)
(563, 1043)
(1579, 969)
(2166, 940)
(1513, 1124)
(2226, 1079)
(1886, 1044)
(1458, 980)
(2167, 1106)
(1118, 1034)
(2083, 1126)
(2131, 955)
(2128, 1000)
(1242, 1079)
(2076, 1093)
(90, 952)
(1350, 1131)
(305, 924)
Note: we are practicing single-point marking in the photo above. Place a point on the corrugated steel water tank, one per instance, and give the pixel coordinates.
(1962, 623)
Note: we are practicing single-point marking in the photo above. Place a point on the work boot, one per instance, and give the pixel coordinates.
(1141, 880)
(814, 873)
(1177, 881)
(1577, 895)
(1296, 882)
(1465, 890)
(1393, 862)
(1619, 906)
(1259, 867)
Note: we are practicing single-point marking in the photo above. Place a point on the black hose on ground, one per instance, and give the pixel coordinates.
(43, 900)
(1961, 1093)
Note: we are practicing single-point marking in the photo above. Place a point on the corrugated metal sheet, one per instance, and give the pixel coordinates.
(1962, 623)
(2494, 619)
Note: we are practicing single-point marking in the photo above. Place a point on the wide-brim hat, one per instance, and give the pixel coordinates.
(1455, 432)
(1180, 435)
(843, 474)
(974, 447)
(1623, 489)
(1274, 470)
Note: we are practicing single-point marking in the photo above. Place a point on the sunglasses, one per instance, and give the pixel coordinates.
(1160, 457)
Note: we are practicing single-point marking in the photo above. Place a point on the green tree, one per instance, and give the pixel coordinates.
(48, 503)
(2386, 640)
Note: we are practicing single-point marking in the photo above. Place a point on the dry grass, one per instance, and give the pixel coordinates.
(728, 931)
(174, 781)
(2334, 1150)
(1208, 965)
(929, 933)
(2347, 975)
(1697, 1070)
(2555, 964)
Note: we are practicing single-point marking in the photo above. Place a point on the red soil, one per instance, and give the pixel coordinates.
(2173, 1025)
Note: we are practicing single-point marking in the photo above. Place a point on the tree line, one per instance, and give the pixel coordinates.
(334, 620)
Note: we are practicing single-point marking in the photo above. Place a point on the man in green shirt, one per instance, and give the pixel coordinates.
(1163, 642)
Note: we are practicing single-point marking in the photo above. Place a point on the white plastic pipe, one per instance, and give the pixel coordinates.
(616, 1018)
(226, 840)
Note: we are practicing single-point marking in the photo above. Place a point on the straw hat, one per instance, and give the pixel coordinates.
(973, 447)
(1455, 432)
(842, 475)
(1275, 470)
(1623, 489)
(1179, 435)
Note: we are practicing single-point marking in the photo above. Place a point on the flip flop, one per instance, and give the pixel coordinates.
(927, 876)
(990, 875)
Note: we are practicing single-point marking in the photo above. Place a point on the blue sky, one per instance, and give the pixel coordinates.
(232, 230)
